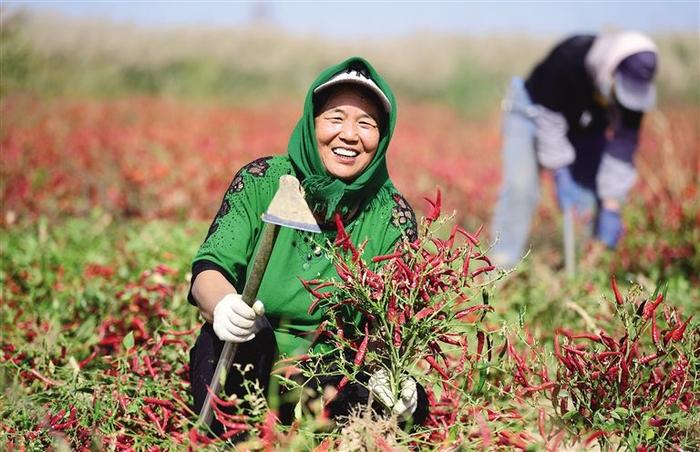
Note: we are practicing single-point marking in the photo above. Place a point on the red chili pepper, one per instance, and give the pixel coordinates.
(648, 358)
(449, 340)
(656, 422)
(164, 420)
(397, 335)
(484, 258)
(590, 336)
(463, 356)
(575, 351)
(481, 270)
(437, 367)
(362, 349)
(85, 362)
(603, 355)
(507, 438)
(553, 445)
(608, 341)
(44, 379)
(676, 334)
(312, 307)
(480, 338)
(135, 365)
(55, 418)
(616, 291)
(147, 362)
(474, 241)
(141, 327)
(391, 313)
(542, 387)
(465, 265)
(341, 236)
(649, 309)
(343, 382)
(435, 207)
(121, 399)
(612, 370)
(180, 333)
(161, 402)
(540, 422)
(471, 309)
(151, 415)
(593, 436)
(483, 430)
(437, 351)
(655, 333)
(427, 311)
(385, 257)
(233, 430)
(557, 347)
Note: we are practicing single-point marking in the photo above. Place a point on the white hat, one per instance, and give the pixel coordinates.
(634, 81)
(603, 61)
(360, 77)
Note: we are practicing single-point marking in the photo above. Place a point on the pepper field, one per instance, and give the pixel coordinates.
(106, 197)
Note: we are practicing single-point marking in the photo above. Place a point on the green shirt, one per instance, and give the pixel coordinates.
(234, 234)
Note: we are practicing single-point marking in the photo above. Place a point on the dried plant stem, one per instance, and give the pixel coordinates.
(590, 323)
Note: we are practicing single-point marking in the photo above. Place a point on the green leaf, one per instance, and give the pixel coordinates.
(485, 296)
(128, 340)
(297, 411)
(437, 391)
(521, 316)
(649, 434)
(620, 413)
(598, 416)
(569, 415)
(483, 370)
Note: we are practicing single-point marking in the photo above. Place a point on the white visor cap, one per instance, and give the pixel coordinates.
(357, 77)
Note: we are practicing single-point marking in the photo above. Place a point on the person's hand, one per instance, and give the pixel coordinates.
(235, 321)
(380, 385)
(566, 188)
(609, 227)
(408, 398)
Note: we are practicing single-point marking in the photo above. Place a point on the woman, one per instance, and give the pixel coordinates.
(338, 152)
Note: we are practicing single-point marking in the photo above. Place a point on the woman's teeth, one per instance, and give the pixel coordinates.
(345, 152)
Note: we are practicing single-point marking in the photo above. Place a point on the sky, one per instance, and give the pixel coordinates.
(343, 20)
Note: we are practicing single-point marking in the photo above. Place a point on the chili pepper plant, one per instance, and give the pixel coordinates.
(635, 385)
(421, 311)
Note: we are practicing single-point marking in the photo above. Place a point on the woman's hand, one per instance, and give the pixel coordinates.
(408, 398)
(380, 386)
(235, 321)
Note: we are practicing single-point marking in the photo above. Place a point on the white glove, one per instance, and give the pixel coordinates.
(408, 398)
(380, 385)
(237, 322)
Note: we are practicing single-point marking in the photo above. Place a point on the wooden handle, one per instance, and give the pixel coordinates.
(250, 292)
(569, 242)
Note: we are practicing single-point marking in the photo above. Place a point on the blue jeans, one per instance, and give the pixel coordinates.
(520, 189)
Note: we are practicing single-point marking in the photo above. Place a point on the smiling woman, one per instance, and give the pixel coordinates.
(338, 152)
(347, 131)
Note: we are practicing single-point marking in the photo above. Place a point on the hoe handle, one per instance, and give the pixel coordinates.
(569, 242)
(250, 291)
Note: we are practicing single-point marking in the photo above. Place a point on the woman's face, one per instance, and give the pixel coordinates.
(347, 131)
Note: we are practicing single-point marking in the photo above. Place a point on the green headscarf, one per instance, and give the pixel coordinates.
(324, 191)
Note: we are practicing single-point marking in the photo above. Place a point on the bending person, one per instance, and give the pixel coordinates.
(577, 115)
